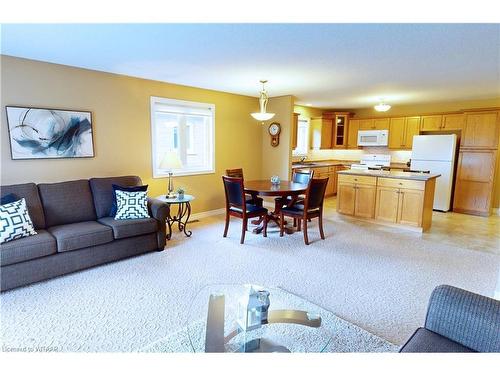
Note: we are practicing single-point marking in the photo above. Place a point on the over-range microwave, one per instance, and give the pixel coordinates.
(373, 137)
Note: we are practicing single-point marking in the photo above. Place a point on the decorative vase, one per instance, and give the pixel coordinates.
(180, 195)
(275, 180)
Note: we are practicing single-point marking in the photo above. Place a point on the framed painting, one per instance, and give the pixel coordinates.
(44, 133)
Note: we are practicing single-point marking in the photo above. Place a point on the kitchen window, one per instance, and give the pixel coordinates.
(186, 130)
(302, 137)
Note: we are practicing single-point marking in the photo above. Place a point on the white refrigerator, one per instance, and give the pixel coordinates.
(436, 153)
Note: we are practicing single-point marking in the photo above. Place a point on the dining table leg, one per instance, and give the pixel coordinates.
(274, 216)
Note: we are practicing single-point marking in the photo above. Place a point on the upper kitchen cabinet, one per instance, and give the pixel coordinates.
(374, 124)
(397, 133)
(336, 129)
(381, 123)
(453, 122)
(322, 132)
(430, 123)
(366, 124)
(352, 137)
(481, 130)
(340, 129)
(401, 132)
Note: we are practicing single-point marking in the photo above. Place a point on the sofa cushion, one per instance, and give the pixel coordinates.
(114, 205)
(67, 202)
(30, 193)
(15, 221)
(102, 191)
(130, 228)
(425, 341)
(9, 198)
(28, 248)
(80, 235)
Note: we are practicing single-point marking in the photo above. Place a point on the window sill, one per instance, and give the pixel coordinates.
(181, 174)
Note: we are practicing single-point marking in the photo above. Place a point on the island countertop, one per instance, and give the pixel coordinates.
(391, 174)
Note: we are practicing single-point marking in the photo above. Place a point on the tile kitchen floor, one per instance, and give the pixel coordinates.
(466, 231)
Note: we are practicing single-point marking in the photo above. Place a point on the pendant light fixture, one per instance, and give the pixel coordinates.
(263, 99)
(382, 107)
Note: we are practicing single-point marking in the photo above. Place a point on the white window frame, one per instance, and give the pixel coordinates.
(296, 152)
(176, 102)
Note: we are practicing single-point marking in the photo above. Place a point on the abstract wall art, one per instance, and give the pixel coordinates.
(42, 133)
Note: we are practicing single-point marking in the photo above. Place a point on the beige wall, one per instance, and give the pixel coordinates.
(120, 108)
(277, 160)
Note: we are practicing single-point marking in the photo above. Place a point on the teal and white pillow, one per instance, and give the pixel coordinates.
(15, 222)
(131, 205)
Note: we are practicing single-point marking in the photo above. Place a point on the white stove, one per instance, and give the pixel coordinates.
(373, 161)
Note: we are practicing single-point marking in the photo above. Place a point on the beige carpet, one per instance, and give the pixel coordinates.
(378, 280)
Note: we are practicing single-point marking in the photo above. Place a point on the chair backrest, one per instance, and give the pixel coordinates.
(236, 172)
(302, 176)
(315, 193)
(235, 192)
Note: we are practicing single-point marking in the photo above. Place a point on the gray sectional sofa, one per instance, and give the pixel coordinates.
(75, 231)
(457, 321)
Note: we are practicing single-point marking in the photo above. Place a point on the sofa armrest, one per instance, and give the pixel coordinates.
(465, 317)
(160, 211)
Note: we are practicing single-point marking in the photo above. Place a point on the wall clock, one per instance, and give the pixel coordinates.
(274, 132)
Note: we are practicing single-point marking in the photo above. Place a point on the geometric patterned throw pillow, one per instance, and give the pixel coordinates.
(131, 205)
(15, 222)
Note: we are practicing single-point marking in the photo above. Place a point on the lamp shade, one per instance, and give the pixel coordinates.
(170, 160)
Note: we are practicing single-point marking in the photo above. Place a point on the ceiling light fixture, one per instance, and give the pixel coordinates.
(382, 107)
(263, 99)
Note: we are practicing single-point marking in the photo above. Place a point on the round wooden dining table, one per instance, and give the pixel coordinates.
(267, 189)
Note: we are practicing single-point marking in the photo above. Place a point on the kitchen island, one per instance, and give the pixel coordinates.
(402, 199)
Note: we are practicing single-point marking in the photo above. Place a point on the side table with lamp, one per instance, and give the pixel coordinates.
(171, 162)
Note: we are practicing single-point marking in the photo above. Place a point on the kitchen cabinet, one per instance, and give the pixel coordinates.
(346, 196)
(481, 130)
(397, 201)
(331, 173)
(366, 124)
(381, 124)
(356, 195)
(374, 124)
(431, 123)
(474, 182)
(400, 201)
(295, 129)
(397, 130)
(453, 122)
(352, 138)
(412, 129)
(401, 132)
(339, 132)
(322, 132)
(364, 203)
(410, 207)
(387, 204)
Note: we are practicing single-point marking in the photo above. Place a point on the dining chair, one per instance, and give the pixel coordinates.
(310, 208)
(237, 206)
(301, 177)
(252, 199)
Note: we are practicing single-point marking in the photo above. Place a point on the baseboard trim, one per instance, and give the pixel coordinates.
(205, 214)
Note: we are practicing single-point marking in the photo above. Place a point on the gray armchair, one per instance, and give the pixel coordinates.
(457, 321)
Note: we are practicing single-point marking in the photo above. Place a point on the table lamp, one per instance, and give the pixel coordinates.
(169, 162)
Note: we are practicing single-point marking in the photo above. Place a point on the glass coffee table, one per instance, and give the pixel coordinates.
(292, 326)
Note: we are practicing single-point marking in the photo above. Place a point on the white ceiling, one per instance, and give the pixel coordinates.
(325, 65)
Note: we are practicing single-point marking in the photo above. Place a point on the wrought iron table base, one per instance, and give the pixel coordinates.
(182, 218)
